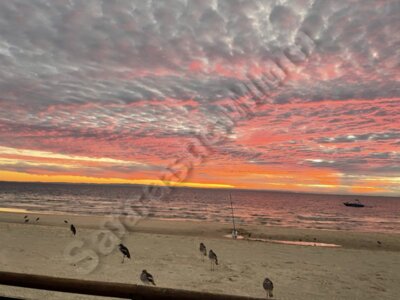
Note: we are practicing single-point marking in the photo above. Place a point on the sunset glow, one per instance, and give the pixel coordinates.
(115, 93)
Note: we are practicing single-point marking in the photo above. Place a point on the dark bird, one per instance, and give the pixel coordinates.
(379, 242)
(26, 220)
(65, 221)
(213, 259)
(73, 229)
(37, 219)
(147, 278)
(25, 217)
(125, 252)
(268, 287)
(203, 250)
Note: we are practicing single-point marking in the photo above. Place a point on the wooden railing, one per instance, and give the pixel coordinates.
(106, 289)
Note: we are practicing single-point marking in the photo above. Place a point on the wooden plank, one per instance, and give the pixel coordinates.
(8, 298)
(106, 289)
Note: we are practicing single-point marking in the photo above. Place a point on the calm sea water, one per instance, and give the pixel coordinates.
(381, 214)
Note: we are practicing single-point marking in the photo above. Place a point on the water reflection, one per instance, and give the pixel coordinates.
(297, 243)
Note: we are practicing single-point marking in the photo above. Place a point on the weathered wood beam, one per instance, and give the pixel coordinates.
(106, 289)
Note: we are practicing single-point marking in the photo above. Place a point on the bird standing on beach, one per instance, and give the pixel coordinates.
(26, 220)
(147, 278)
(213, 259)
(268, 287)
(37, 219)
(73, 229)
(65, 221)
(203, 250)
(125, 252)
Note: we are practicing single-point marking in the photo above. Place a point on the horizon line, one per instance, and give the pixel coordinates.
(202, 188)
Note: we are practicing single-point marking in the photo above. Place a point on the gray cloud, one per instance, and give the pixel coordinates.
(361, 137)
(85, 51)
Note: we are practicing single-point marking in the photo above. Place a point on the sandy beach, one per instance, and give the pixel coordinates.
(358, 268)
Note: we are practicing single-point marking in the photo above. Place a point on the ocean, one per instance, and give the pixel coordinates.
(380, 214)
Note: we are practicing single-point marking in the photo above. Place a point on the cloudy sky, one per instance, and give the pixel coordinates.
(115, 91)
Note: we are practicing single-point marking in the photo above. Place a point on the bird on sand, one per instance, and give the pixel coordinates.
(147, 278)
(268, 287)
(125, 252)
(213, 259)
(26, 220)
(73, 229)
(203, 250)
(37, 219)
(65, 221)
(25, 217)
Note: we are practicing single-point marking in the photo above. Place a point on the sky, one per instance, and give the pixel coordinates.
(117, 91)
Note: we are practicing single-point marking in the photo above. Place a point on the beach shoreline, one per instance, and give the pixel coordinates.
(343, 238)
(357, 269)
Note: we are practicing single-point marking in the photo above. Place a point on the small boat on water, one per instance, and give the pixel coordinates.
(356, 203)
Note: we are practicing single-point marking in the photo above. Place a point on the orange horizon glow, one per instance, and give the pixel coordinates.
(25, 177)
(245, 176)
(305, 159)
(287, 187)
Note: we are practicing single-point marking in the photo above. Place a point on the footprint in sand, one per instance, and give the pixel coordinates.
(379, 276)
(326, 283)
(363, 278)
(3, 257)
(245, 269)
(233, 278)
(167, 258)
(378, 288)
(348, 288)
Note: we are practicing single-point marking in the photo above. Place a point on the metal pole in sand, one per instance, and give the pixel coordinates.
(234, 232)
